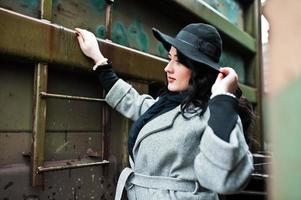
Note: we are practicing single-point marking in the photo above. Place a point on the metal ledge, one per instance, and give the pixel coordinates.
(208, 14)
(38, 40)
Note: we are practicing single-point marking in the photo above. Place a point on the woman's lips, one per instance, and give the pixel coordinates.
(170, 79)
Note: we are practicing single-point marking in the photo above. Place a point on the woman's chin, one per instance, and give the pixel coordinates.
(172, 88)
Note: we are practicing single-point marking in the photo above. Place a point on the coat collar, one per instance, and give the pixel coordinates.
(160, 123)
(157, 124)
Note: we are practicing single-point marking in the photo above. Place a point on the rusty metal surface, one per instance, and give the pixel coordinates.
(83, 183)
(61, 47)
(89, 15)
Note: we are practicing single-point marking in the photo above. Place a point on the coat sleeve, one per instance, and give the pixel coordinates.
(221, 166)
(126, 100)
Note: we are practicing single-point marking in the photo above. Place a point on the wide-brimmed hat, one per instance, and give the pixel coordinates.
(198, 42)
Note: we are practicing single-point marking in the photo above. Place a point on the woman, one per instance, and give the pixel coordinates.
(189, 142)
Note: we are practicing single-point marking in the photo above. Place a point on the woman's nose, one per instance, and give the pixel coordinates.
(168, 67)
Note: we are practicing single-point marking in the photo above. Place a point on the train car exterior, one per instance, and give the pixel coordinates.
(58, 138)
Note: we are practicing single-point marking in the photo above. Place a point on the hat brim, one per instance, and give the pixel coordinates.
(186, 49)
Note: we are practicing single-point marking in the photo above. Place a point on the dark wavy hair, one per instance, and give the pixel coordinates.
(199, 92)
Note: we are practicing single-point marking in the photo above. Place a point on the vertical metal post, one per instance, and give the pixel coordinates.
(46, 9)
(108, 22)
(105, 111)
(39, 122)
(104, 135)
(258, 74)
(39, 107)
(252, 26)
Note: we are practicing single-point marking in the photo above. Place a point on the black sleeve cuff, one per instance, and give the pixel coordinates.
(223, 115)
(107, 77)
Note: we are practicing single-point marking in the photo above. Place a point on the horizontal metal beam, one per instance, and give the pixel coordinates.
(202, 10)
(38, 40)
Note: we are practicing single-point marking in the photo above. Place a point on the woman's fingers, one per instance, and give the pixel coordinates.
(226, 81)
(88, 44)
(220, 76)
(229, 74)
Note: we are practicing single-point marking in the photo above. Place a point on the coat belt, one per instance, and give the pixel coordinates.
(155, 182)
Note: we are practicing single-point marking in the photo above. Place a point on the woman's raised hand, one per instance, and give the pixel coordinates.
(226, 81)
(89, 44)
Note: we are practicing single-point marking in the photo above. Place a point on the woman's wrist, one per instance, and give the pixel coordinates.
(222, 93)
(100, 62)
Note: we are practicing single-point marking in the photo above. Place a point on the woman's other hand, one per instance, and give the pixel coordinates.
(226, 81)
(89, 44)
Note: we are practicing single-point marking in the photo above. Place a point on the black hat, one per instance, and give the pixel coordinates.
(198, 42)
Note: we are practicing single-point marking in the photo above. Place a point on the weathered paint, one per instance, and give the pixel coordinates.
(138, 36)
(134, 36)
(237, 36)
(119, 34)
(230, 9)
(132, 24)
(89, 15)
(26, 7)
(62, 48)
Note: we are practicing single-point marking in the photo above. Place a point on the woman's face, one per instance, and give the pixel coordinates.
(178, 75)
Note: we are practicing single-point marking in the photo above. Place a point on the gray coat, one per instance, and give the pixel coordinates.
(172, 146)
